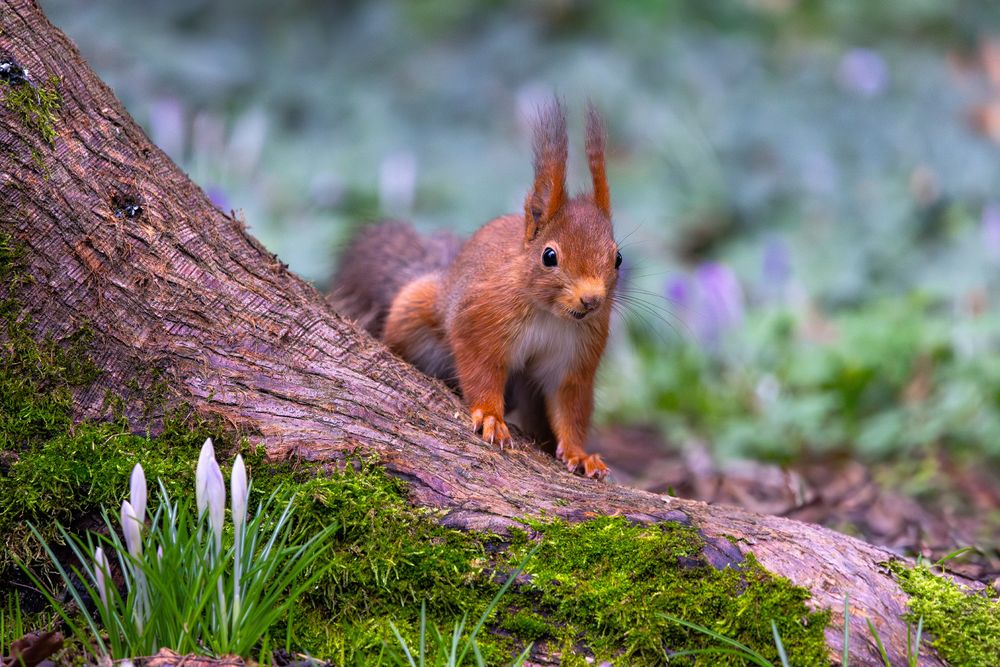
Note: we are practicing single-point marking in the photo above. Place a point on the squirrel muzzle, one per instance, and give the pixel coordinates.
(585, 296)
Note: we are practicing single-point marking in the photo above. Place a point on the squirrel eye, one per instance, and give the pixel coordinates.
(618, 259)
(549, 257)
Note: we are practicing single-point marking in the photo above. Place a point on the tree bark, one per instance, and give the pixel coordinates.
(177, 292)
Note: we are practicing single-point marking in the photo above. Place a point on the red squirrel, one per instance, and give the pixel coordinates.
(519, 313)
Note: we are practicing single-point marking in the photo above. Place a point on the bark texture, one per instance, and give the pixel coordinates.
(177, 291)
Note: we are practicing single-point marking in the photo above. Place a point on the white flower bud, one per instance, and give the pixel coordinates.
(130, 528)
(215, 498)
(201, 475)
(137, 492)
(100, 572)
(238, 484)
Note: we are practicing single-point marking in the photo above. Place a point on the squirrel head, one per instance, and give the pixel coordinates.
(572, 254)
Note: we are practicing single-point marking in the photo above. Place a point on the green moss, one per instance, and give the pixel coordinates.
(36, 105)
(963, 625)
(407, 557)
(37, 382)
(606, 584)
(528, 625)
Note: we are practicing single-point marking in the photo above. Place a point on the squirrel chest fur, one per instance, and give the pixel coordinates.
(515, 317)
(545, 349)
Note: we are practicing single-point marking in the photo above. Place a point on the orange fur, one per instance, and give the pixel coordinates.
(595, 158)
(500, 311)
(412, 329)
(548, 193)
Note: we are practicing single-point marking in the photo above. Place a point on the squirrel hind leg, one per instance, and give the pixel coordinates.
(378, 262)
(414, 331)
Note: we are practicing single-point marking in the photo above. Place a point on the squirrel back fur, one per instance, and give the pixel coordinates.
(378, 262)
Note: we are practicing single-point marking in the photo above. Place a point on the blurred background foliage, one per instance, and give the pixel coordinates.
(806, 191)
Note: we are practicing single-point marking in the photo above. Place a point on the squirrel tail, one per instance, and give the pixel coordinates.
(378, 262)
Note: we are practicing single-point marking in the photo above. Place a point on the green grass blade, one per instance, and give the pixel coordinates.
(845, 652)
(780, 646)
(525, 654)
(480, 662)
(750, 654)
(456, 635)
(87, 617)
(721, 651)
(402, 643)
(496, 600)
(954, 554)
(878, 642)
(913, 651)
(423, 632)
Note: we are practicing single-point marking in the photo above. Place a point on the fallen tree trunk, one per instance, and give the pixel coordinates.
(177, 294)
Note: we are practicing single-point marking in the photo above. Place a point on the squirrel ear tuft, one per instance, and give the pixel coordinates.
(548, 193)
(595, 156)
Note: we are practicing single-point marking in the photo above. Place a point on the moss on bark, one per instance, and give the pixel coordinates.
(963, 625)
(35, 104)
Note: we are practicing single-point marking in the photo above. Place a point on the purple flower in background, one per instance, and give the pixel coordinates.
(863, 72)
(679, 290)
(711, 302)
(218, 197)
(776, 268)
(991, 231)
(720, 301)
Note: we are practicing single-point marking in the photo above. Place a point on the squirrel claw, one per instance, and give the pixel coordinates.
(591, 464)
(594, 467)
(493, 428)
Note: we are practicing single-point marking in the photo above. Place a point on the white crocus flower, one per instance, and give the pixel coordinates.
(137, 491)
(100, 572)
(133, 542)
(130, 528)
(210, 491)
(215, 498)
(206, 457)
(238, 485)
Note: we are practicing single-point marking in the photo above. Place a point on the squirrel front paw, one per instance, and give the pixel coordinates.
(492, 426)
(577, 460)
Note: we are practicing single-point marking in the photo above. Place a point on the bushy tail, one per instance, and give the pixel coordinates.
(378, 262)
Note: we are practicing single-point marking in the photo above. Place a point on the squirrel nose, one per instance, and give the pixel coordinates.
(591, 302)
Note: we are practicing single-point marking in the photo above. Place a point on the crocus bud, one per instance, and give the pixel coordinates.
(215, 498)
(201, 475)
(238, 483)
(137, 491)
(130, 528)
(100, 572)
